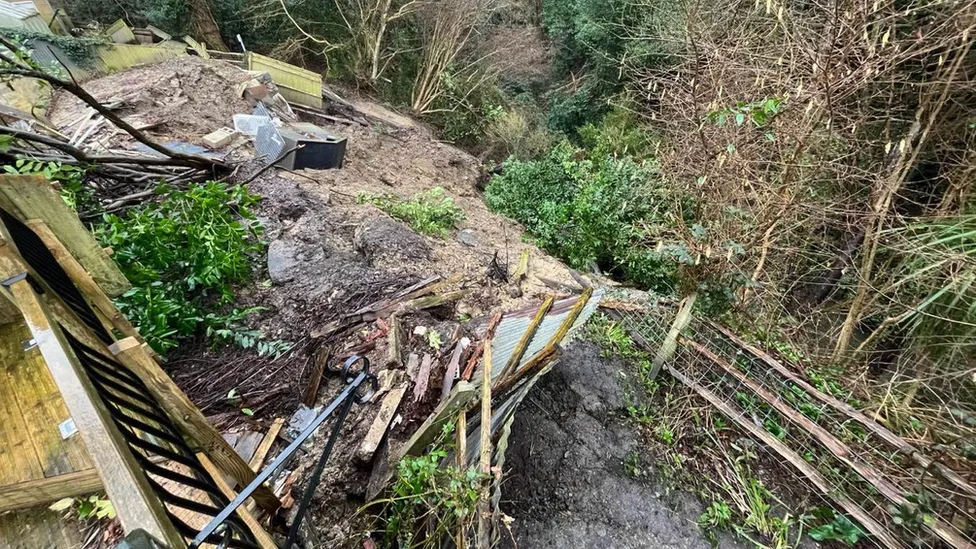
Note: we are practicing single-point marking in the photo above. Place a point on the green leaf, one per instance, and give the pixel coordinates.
(247, 411)
(62, 504)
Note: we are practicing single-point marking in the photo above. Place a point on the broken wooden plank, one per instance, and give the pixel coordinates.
(42, 491)
(33, 197)
(265, 541)
(881, 431)
(382, 308)
(834, 445)
(485, 340)
(394, 340)
(681, 320)
(522, 268)
(188, 418)
(559, 286)
(423, 377)
(319, 364)
(463, 395)
(257, 460)
(527, 337)
(377, 430)
(451, 373)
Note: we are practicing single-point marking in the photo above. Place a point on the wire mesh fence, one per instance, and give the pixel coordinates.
(898, 495)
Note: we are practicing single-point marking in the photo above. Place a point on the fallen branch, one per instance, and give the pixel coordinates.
(21, 69)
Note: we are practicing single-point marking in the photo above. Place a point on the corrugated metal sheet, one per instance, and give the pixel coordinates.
(18, 10)
(513, 325)
(22, 15)
(295, 83)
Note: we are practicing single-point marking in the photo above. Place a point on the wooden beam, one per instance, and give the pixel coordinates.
(188, 418)
(527, 336)
(260, 534)
(257, 460)
(83, 281)
(32, 493)
(881, 431)
(125, 482)
(835, 446)
(463, 395)
(34, 197)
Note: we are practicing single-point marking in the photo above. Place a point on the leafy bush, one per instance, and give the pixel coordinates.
(429, 501)
(431, 212)
(183, 255)
(588, 211)
(619, 133)
(516, 135)
(839, 529)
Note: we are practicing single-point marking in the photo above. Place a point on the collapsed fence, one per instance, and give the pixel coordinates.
(899, 495)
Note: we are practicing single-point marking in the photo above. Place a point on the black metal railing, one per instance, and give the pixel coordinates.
(40, 258)
(350, 395)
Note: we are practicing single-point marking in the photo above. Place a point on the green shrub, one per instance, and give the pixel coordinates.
(588, 211)
(619, 133)
(431, 499)
(183, 254)
(431, 212)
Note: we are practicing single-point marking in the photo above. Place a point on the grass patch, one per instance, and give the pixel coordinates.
(431, 212)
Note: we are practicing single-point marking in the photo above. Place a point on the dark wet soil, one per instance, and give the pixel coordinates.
(573, 464)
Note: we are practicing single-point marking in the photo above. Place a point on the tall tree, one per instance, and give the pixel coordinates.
(204, 26)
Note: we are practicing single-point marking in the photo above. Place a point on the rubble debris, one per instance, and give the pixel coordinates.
(161, 34)
(468, 238)
(120, 33)
(381, 423)
(220, 138)
(281, 261)
(374, 236)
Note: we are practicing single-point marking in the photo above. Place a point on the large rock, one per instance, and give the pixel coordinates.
(387, 239)
(282, 263)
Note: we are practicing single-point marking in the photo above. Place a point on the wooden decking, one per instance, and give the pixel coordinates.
(36, 464)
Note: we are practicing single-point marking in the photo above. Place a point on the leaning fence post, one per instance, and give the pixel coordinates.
(681, 320)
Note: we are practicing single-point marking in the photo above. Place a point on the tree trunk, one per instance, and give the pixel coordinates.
(204, 25)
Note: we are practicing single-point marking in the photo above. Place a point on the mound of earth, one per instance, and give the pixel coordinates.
(571, 467)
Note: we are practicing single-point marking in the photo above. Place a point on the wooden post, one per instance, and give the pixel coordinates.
(261, 535)
(189, 418)
(125, 483)
(667, 349)
(85, 283)
(34, 197)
